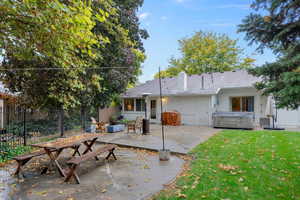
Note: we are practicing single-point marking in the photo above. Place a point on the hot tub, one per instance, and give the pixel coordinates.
(240, 120)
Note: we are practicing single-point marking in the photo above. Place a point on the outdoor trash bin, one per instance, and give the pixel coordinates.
(146, 126)
(115, 128)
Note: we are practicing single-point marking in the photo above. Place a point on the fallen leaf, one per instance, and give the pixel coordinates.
(227, 167)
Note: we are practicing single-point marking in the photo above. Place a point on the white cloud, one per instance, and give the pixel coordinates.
(164, 18)
(239, 6)
(144, 15)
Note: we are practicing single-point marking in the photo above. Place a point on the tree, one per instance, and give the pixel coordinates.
(122, 57)
(53, 30)
(100, 69)
(207, 52)
(57, 36)
(279, 30)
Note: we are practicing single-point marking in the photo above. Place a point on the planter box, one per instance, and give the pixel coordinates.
(115, 128)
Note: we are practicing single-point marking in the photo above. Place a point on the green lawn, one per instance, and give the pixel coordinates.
(237, 165)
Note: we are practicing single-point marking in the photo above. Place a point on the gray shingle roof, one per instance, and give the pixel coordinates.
(212, 84)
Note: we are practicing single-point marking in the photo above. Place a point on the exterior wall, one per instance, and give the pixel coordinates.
(224, 103)
(132, 115)
(197, 110)
(194, 110)
(288, 118)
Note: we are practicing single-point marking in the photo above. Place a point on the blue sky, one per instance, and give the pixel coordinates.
(167, 21)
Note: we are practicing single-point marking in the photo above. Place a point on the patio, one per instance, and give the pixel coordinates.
(137, 174)
(110, 179)
(179, 139)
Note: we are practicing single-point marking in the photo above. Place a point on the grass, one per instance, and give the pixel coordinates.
(235, 164)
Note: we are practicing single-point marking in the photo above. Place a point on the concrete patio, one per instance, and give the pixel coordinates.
(179, 139)
(136, 175)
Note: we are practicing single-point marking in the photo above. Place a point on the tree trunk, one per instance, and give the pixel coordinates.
(61, 122)
(83, 116)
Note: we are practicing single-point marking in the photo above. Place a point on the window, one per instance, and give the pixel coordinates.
(129, 104)
(140, 105)
(242, 104)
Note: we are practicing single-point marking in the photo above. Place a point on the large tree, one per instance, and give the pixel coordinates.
(278, 28)
(207, 52)
(46, 46)
(123, 56)
(104, 70)
(31, 29)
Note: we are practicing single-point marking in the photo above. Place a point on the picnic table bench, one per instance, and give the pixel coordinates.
(54, 148)
(25, 158)
(75, 161)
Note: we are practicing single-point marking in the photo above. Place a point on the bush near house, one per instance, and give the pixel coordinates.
(242, 165)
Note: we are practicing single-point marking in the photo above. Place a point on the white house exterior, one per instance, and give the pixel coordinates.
(197, 97)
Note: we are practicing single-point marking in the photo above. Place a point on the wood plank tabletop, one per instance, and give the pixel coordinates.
(67, 142)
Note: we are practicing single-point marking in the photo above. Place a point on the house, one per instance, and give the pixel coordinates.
(8, 106)
(197, 97)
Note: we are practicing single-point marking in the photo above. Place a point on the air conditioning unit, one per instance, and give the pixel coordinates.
(264, 122)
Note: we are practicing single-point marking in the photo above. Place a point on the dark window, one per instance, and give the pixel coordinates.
(153, 109)
(242, 104)
(140, 105)
(129, 104)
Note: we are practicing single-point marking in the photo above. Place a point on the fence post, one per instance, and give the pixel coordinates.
(24, 126)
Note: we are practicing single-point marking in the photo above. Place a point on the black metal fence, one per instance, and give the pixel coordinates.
(20, 127)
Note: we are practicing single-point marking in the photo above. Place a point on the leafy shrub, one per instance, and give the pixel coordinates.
(8, 152)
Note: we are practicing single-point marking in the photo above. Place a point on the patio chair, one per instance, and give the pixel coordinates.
(101, 127)
(135, 125)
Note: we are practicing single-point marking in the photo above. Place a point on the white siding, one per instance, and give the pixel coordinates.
(288, 118)
(132, 115)
(197, 110)
(194, 110)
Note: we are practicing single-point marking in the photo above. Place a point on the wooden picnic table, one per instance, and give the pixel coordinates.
(54, 148)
